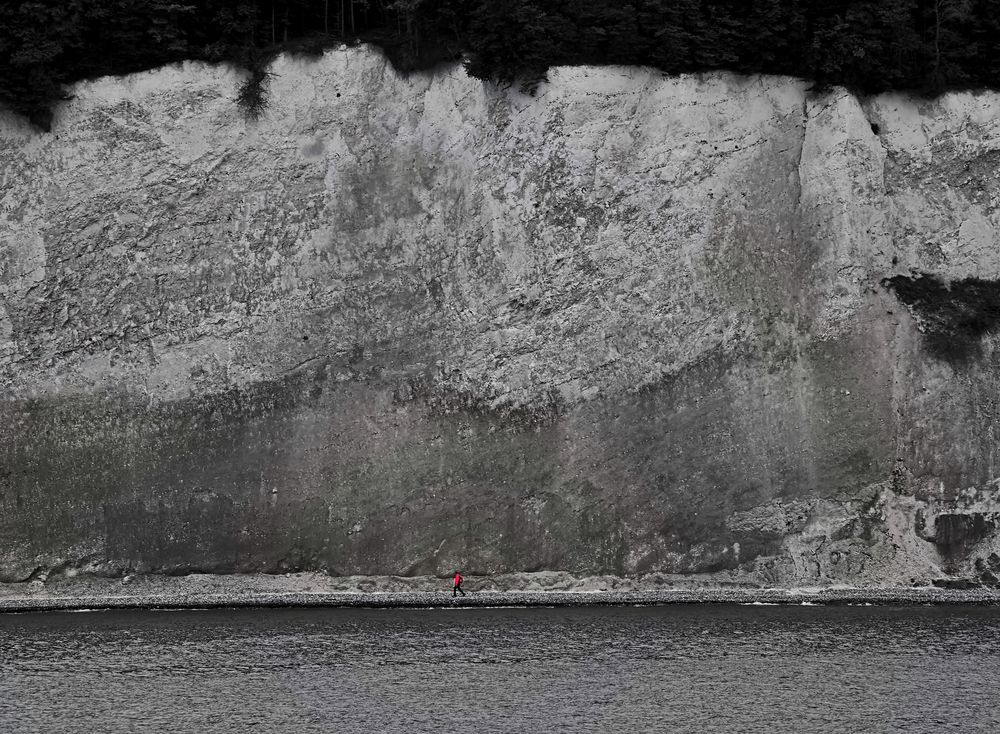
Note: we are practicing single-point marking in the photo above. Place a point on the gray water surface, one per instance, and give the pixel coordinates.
(672, 668)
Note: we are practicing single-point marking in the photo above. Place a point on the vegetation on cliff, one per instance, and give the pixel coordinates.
(869, 45)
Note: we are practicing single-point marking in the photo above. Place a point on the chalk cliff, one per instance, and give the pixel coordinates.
(714, 326)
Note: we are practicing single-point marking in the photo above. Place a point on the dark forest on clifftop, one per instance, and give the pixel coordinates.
(867, 45)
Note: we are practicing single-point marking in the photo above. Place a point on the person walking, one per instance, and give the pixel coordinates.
(458, 585)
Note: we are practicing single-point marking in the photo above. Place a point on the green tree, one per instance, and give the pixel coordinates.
(870, 46)
(35, 42)
(773, 36)
(667, 24)
(514, 41)
(951, 44)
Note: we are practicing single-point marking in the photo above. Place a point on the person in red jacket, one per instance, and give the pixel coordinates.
(458, 585)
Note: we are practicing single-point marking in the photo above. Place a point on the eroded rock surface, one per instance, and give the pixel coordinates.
(630, 325)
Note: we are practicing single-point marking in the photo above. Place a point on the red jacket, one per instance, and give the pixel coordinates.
(458, 579)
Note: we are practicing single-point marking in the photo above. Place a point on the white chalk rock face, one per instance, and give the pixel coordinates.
(712, 326)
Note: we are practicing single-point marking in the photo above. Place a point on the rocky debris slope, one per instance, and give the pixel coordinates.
(720, 328)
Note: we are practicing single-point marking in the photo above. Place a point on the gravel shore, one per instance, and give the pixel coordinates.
(311, 590)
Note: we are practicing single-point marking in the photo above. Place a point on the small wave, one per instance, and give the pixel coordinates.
(82, 610)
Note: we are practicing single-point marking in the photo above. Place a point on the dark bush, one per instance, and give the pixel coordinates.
(252, 94)
(954, 316)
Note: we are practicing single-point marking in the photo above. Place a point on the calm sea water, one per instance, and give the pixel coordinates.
(662, 669)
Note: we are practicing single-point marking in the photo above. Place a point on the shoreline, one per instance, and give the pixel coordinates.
(313, 591)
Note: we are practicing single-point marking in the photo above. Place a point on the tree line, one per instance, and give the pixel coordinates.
(867, 45)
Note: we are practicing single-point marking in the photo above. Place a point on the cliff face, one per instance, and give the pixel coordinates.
(709, 325)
